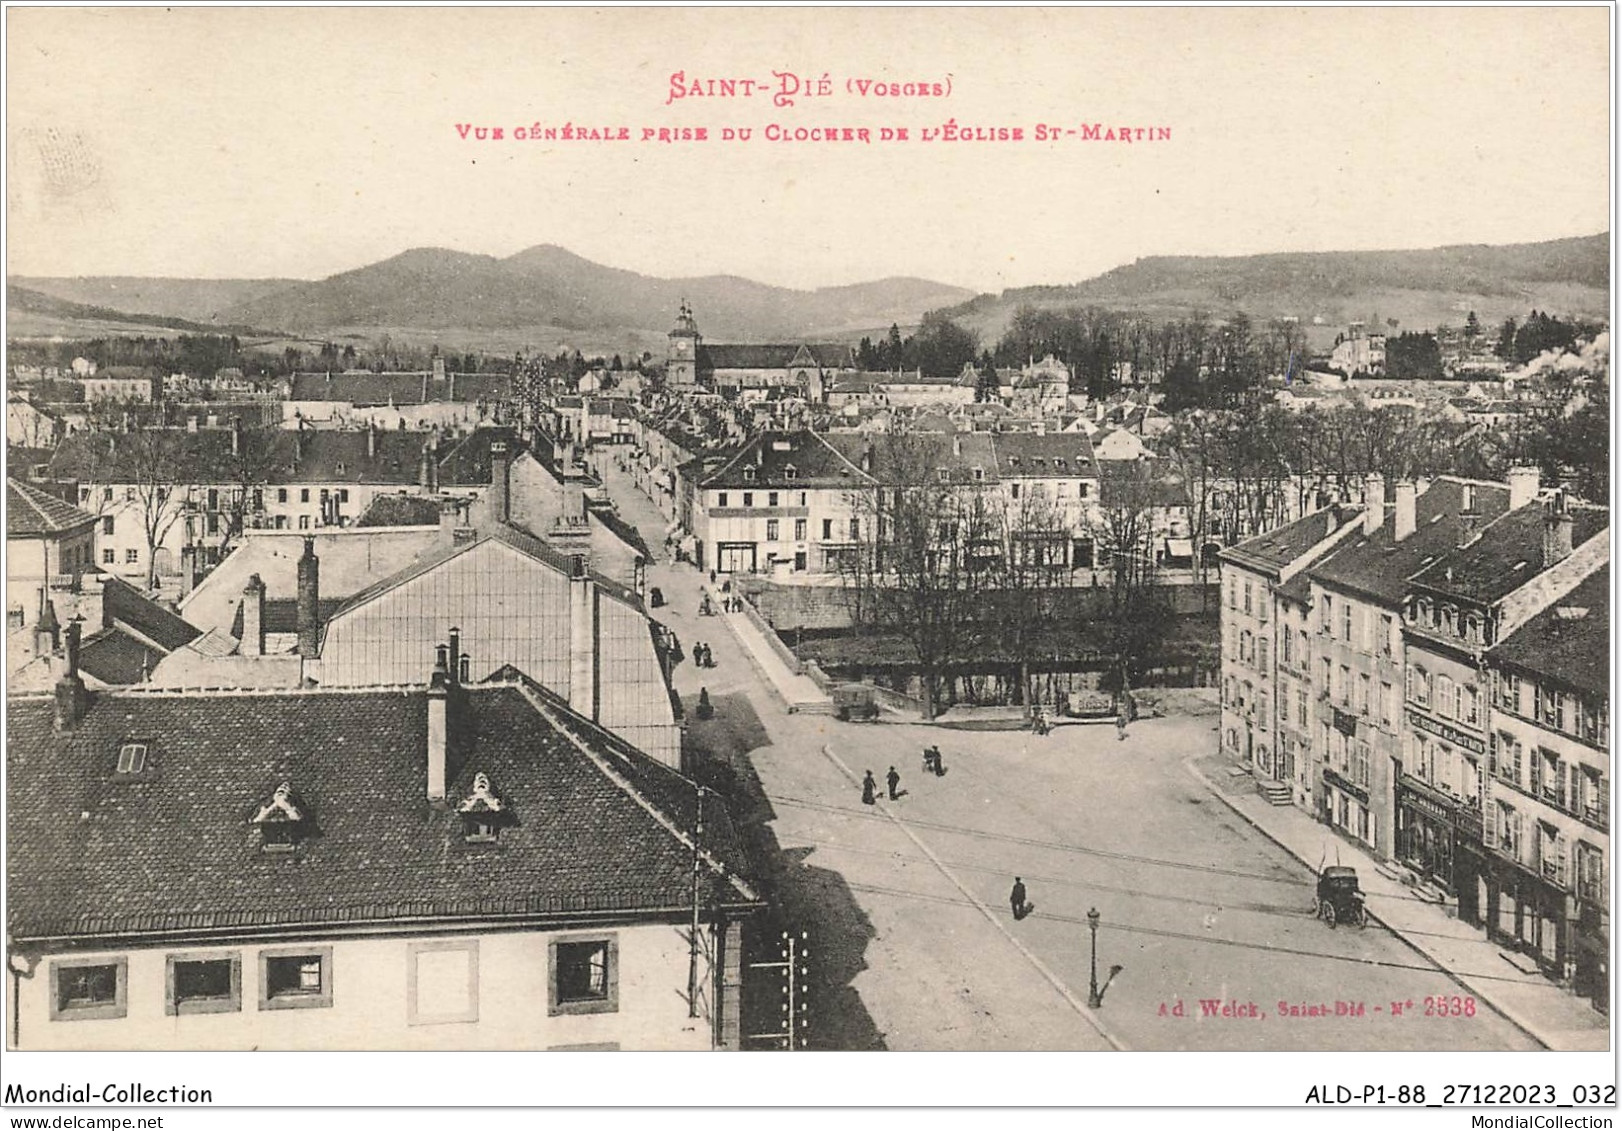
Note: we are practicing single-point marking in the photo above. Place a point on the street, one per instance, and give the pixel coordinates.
(906, 902)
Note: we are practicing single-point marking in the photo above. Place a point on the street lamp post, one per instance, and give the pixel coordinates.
(1093, 1000)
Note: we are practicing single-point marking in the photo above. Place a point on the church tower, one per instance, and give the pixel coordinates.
(681, 367)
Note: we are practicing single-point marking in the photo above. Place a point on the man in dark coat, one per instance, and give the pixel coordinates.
(869, 789)
(894, 780)
(1016, 898)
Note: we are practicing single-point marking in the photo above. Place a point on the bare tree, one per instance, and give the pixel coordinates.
(929, 546)
(1124, 532)
(1036, 532)
(148, 464)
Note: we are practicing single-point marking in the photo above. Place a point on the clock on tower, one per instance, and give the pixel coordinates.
(682, 367)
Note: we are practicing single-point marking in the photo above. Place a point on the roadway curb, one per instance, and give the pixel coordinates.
(1502, 1011)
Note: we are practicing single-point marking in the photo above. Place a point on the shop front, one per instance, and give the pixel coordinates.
(1346, 808)
(1426, 840)
(1528, 914)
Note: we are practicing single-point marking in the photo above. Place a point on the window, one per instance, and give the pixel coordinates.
(304, 522)
(978, 474)
(1386, 631)
(108, 557)
(1468, 711)
(1285, 649)
(855, 529)
(213, 498)
(802, 498)
(721, 499)
(1346, 622)
(771, 499)
(1327, 680)
(107, 525)
(771, 530)
(1301, 706)
(748, 498)
(1445, 697)
(791, 472)
(1360, 764)
(1247, 598)
(303, 494)
(132, 557)
(199, 983)
(1233, 593)
(343, 494)
(827, 530)
(1509, 831)
(583, 972)
(106, 494)
(1261, 653)
(1328, 612)
(442, 982)
(281, 494)
(1345, 685)
(749, 474)
(1385, 703)
(1363, 685)
(341, 467)
(295, 979)
(131, 758)
(799, 530)
(88, 989)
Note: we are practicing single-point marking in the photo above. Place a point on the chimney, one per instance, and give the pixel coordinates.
(236, 436)
(1523, 486)
(453, 656)
(253, 617)
(500, 483)
(1373, 503)
(188, 568)
(72, 700)
(371, 440)
(867, 458)
(191, 424)
(439, 369)
(47, 630)
(298, 444)
(583, 639)
(450, 517)
(1407, 509)
(1557, 524)
(309, 601)
(1467, 498)
(438, 733)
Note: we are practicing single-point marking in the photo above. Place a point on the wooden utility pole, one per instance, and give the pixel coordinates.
(692, 951)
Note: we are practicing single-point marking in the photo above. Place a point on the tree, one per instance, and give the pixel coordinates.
(1506, 340)
(1472, 327)
(928, 547)
(1124, 531)
(942, 348)
(149, 464)
(246, 464)
(1036, 536)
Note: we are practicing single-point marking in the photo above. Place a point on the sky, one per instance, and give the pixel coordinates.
(238, 143)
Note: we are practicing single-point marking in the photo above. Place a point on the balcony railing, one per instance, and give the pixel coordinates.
(1553, 872)
(1599, 816)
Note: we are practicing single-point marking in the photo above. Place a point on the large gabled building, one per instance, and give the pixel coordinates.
(427, 866)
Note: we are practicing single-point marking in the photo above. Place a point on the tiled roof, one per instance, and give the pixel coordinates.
(778, 356)
(1062, 455)
(765, 461)
(281, 614)
(376, 389)
(1565, 645)
(465, 462)
(32, 513)
(118, 659)
(599, 829)
(400, 510)
(341, 457)
(1380, 568)
(1507, 555)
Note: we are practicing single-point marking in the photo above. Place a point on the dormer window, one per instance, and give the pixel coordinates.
(749, 474)
(131, 758)
(341, 467)
(484, 814)
(281, 821)
(791, 472)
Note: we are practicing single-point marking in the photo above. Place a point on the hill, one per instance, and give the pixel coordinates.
(24, 303)
(550, 289)
(194, 300)
(1418, 289)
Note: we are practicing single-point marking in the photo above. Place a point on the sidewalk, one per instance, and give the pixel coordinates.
(795, 691)
(1550, 1015)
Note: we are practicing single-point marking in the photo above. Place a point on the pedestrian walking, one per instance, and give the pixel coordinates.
(869, 789)
(1120, 724)
(894, 780)
(940, 766)
(712, 577)
(1016, 898)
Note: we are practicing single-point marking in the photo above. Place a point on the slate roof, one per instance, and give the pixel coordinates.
(122, 602)
(899, 459)
(598, 826)
(1379, 567)
(1573, 650)
(1273, 551)
(1062, 455)
(313, 456)
(32, 513)
(1507, 555)
(1128, 483)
